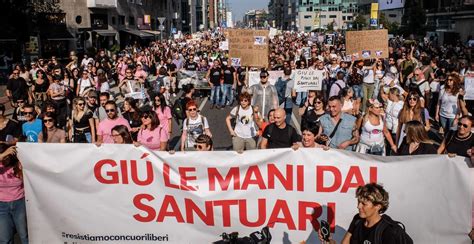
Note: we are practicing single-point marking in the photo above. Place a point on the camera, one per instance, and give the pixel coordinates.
(257, 237)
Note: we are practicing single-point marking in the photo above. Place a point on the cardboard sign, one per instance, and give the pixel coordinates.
(367, 44)
(251, 46)
(306, 79)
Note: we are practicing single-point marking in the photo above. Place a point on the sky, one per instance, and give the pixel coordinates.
(240, 7)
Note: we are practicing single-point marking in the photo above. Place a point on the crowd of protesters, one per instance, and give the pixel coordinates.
(406, 104)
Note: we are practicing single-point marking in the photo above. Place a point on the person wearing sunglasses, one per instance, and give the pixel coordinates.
(151, 134)
(374, 131)
(311, 109)
(412, 110)
(33, 126)
(264, 94)
(416, 141)
(193, 126)
(105, 126)
(50, 133)
(82, 124)
(203, 143)
(459, 142)
(84, 83)
(17, 88)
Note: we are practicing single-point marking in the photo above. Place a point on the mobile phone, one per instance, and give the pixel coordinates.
(325, 230)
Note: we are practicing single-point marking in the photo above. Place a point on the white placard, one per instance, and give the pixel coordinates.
(307, 79)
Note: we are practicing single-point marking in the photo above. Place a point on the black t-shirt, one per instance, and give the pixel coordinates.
(423, 148)
(459, 146)
(191, 66)
(171, 68)
(229, 75)
(309, 118)
(83, 123)
(12, 128)
(280, 138)
(92, 107)
(367, 235)
(18, 88)
(241, 74)
(215, 76)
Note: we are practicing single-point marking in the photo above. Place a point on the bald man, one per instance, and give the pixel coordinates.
(280, 134)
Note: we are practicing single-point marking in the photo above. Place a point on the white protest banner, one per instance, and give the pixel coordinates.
(254, 77)
(126, 194)
(224, 45)
(307, 79)
(469, 87)
(272, 33)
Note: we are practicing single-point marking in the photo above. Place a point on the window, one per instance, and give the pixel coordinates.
(349, 17)
(307, 28)
(114, 20)
(131, 20)
(332, 16)
(322, 16)
(392, 15)
(121, 20)
(343, 17)
(99, 21)
(307, 16)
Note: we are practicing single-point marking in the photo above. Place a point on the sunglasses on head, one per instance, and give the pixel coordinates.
(463, 125)
(47, 120)
(110, 110)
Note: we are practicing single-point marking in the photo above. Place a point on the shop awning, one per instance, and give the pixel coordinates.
(106, 32)
(139, 33)
(56, 33)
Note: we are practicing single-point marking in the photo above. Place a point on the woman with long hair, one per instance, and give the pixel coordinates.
(417, 141)
(374, 130)
(121, 135)
(163, 112)
(412, 110)
(50, 133)
(151, 133)
(81, 124)
(447, 108)
(40, 87)
(132, 114)
(348, 103)
(312, 109)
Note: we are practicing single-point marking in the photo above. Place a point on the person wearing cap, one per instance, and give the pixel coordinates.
(374, 130)
(264, 94)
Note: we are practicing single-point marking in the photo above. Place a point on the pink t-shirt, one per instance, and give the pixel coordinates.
(152, 139)
(105, 128)
(11, 187)
(164, 117)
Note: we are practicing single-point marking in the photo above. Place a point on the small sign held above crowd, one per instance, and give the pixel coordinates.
(306, 79)
(367, 44)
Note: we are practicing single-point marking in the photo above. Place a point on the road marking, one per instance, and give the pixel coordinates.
(201, 106)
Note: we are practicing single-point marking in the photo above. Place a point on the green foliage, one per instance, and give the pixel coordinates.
(359, 22)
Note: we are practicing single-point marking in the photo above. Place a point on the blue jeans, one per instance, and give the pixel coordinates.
(301, 98)
(357, 91)
(215, 94)
(288, 106)
(446, 123)
(226, 90)
(13, 217)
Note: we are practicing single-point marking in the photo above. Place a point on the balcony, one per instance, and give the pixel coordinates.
(102, 3)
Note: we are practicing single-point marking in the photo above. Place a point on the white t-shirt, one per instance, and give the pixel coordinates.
(448, 104)
(194, 128)
(392, 112)
(244, 123)
(83, 85)
(369, 76)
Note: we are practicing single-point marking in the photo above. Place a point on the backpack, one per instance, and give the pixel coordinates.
(280, 86)
(340, 88)
(233, 120)
(178, 110)
(398, 229)
(290, 130)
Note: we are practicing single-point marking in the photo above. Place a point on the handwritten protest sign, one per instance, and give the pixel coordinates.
(197, 78)
(469, 88)
(306, 79)
(367, 44)
(251, 46)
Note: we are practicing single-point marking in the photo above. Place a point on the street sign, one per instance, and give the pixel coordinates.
(161, 27)
(161, 20)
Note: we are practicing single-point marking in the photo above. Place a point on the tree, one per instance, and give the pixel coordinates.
(359, 22)
(392, 27)
(413, 19)
(330, 26)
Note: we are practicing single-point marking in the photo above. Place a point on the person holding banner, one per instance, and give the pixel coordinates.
(151, 134)
(193, 126)
(244, 130)
(12, 197)
(280, 134)
(416, 140)
(310, 138)
(121, 135)
(372, 203)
